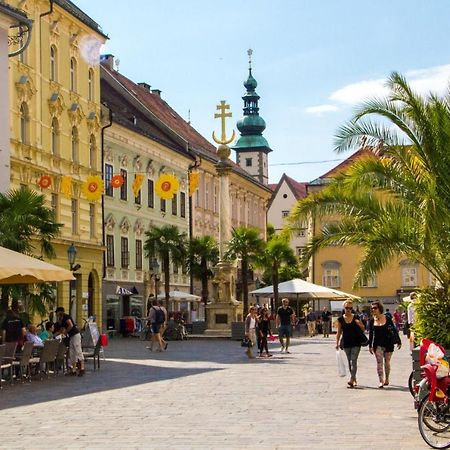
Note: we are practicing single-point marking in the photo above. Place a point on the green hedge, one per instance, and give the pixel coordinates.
(432, 316)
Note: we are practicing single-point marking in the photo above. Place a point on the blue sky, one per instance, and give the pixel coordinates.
(314, 61)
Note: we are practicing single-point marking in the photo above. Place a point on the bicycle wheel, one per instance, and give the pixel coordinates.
(434, 423)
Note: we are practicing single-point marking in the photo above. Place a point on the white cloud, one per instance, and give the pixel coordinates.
(433, 79)
(321, 109)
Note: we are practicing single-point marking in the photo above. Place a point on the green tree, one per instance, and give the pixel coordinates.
(276, 255)
(246, 245)
(25, 221)
(395, 201)
(169, 245)
(202, 251)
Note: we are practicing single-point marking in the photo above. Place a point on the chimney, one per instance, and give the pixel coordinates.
(157, 92)
(146, 86)
(108, 61)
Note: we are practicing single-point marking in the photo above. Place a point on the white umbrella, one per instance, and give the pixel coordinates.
(181, 296)
(17, 268)
(303, 289)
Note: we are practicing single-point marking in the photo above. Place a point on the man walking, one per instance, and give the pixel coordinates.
(311, 322)
(156, 317)
(326, 322)
(285, 316)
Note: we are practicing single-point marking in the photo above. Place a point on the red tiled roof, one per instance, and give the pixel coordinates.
(164, 112)
(347, 162)
(297, 187)
(273, 186)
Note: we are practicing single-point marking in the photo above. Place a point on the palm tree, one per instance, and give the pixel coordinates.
(202, 250)
(169, 245)
(24, 219)
(245, 244)
(276, 255)
(395, 201)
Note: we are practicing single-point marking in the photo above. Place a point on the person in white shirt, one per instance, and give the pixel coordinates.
(32, 336)
(250, 330)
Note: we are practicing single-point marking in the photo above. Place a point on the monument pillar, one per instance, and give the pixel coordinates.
(224, 308)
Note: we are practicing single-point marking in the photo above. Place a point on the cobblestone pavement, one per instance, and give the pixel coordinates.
(206, 394)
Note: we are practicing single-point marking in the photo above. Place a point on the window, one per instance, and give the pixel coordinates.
(409, 274)
(24, 123)
(75, 153)
(73, 74)
(331, 274)
(206, 194)
(300, 251)
(216, 199)
(174, 205)
(92, 152)
(182, 204)
(110, 250)
(248, 162)
(370, 282)
(74, 211)
(137, 199)
(284, 214)
(91, 220)
(53, 63)
(124, 253)
(55, 205)
(108, 179)
(175, 268)
(55, 137)
(138, 254)
(151, 194)
(163, 205)
(124, 187)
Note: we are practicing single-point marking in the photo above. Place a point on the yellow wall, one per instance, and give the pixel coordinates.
(30, 84)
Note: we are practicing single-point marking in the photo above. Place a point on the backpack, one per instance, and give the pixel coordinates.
(160, 317)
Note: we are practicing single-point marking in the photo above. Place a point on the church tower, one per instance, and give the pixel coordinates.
(251, 147)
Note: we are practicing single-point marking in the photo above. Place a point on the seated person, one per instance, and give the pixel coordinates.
(47, 333)
(31, 336)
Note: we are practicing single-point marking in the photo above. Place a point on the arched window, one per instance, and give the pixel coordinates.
(53, 63)
(73, 74)
(91, 85)
(55, 137)
(24, 131)
(75, 153)
(92, 152)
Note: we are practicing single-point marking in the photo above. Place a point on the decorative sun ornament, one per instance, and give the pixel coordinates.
(45, 182)
(194, 178)
(93, 188)
(167, 186)
(117, 181)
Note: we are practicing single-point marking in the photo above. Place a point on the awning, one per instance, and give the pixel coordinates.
(122, 291)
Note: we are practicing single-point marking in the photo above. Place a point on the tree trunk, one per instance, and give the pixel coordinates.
(204, 280)
(244, 270)
(166, 281)
(275, 281)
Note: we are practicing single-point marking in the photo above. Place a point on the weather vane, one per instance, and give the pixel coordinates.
(250, 53)
(223, 107)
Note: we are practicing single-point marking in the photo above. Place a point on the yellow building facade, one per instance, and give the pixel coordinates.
(56, 128)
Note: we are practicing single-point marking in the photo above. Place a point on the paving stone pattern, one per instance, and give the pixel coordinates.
(206, 394)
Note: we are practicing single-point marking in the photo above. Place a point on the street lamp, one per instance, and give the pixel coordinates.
(71, 257)
(155, 270)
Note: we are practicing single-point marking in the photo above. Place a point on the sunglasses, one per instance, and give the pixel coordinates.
(348, 307)
(374, 307)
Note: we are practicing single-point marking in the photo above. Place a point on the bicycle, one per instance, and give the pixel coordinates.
(434, 409)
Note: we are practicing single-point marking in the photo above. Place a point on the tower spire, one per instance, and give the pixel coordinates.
(251, 126)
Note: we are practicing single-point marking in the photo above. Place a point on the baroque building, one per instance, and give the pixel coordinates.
(139, 148)
(56, 123)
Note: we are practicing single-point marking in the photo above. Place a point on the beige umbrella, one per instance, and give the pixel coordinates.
(17, 268)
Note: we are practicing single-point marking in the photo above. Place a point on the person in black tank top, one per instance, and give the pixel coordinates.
(349, 330)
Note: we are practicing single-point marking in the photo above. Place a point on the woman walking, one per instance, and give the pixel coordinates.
(382, 337)
(264, 331)
(250, 330)
(350, 328)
